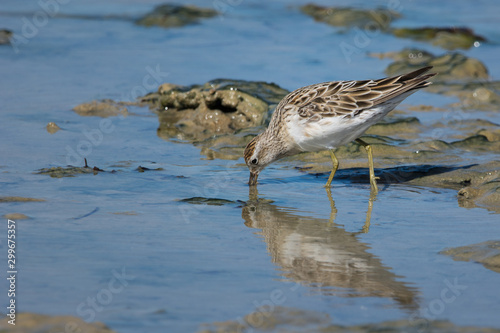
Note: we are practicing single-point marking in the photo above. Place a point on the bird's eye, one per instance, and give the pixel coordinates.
(255, 161)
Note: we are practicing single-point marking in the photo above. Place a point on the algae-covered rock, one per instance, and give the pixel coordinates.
(170, 15)
(144, 169)
(490, 134)
(476, 143)
(16, 216)
(69, 171)
(270, 93)
(104, 108)
(451, 38)
(38, 323)
(486, 253)
(451, 66)
(410, 55)
(482, 95)
(219, 107)
(5, 36)
(458, 75)
(351, 17)
(197, 115)
(19, 199)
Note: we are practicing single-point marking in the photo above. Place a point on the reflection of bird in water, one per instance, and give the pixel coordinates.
(314, 252)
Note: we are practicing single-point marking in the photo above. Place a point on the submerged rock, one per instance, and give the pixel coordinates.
(217, 108)
(144, 169)
(486, 253)
(5, 36)
(451, 38)
(104, 108)
(170, 15)
(38, 323)
(208, 201)
(351, 17)
(16, 216)
(20, 199)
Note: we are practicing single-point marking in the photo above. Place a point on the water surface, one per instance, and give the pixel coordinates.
(183, 264)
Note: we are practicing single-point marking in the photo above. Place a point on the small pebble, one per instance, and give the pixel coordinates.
(52, 127)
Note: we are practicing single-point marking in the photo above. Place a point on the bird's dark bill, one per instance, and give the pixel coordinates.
(253, 178)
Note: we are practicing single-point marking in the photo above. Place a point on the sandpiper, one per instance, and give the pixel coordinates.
(328, 115)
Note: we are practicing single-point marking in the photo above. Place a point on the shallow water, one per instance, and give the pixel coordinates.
(181, 264)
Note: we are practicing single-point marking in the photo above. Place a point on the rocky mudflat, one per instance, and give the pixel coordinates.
(485, 253)
(278, 319)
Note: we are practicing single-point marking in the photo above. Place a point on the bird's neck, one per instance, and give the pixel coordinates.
(279, 143)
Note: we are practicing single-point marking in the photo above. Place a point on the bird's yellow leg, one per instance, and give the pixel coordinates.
(334, 169)
(373, 179)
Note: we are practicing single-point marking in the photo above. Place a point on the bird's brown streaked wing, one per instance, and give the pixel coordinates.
(342, 98)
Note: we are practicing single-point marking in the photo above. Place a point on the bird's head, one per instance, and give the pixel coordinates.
(258, 154)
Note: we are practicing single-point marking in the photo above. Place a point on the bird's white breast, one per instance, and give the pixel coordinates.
(331, 132)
